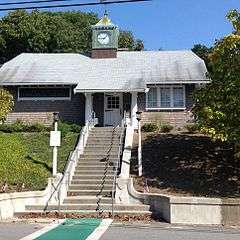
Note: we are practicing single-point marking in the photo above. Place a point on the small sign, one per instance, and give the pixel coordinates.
(55, 139)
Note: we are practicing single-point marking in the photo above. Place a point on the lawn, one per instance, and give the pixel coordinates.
(27, 158)
(187, 165)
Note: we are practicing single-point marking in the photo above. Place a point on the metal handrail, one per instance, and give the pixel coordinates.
(71, 156)
(118, 161)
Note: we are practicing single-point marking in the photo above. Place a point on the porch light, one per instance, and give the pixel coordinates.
(138, 115)
(55, 116)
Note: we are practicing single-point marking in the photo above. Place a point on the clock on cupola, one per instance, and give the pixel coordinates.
(104, 38)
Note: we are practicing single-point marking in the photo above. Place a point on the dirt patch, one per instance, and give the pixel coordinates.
(186, 165)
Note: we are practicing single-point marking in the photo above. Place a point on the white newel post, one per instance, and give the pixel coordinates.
(134, 109)
(88, 107)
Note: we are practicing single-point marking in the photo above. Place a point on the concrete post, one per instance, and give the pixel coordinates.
(88, 107)
(139, 149)
(55, 152)
(134, 109)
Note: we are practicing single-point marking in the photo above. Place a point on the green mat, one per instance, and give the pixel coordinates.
(72, 229)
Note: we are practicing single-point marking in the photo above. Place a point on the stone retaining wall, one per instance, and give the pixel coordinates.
(190, 210)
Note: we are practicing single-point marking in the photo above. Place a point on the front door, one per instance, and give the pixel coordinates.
(112, 109)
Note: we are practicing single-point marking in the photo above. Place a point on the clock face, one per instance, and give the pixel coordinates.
(103, 38)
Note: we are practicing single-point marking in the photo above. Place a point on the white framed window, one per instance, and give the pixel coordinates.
(166, 97)
(44, 93)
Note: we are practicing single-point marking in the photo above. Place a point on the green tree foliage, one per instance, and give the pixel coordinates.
(217, 108)
(6, 104)
(127, 40)
(203, 52)
(50, 32)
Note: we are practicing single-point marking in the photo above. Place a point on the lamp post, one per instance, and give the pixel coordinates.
(138, 113)
(54, 137)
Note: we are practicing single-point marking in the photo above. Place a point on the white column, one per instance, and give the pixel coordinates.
(88, 107)
(134, 109)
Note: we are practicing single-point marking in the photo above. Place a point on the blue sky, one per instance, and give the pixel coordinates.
(170, 24)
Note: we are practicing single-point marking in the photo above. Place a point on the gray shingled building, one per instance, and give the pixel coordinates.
(106, 84)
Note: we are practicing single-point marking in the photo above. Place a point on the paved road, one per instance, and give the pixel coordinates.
(15, 231)
(120, 231)
(167, 232)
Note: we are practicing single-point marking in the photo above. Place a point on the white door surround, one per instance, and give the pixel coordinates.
(113, 109)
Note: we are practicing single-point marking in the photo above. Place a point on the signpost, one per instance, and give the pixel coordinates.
(138, 113)
(55, 142)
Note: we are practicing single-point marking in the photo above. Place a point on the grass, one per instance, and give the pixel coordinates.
(27, 158)
(187, 165)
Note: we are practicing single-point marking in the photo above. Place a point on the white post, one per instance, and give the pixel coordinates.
(88, 107)
(139, 150)
(55, 152)
(134, 109)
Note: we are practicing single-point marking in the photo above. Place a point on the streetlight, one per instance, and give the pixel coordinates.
(138, 115)
(55, 141)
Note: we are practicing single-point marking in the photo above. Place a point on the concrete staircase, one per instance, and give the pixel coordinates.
(90, 190)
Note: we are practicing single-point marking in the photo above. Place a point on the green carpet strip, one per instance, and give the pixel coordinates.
(72, 229)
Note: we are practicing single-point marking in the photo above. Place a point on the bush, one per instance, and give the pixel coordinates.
(165, 128)
(19, 126)
(149, 127)
(37, 127)
(191, 127)
(68, 127)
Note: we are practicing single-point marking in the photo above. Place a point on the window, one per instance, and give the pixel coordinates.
(166, 97)
(113, 102)
(152, 97)
(178, 97)
(44, 93)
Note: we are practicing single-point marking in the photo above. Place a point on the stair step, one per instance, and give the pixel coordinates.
(101, 160)
(97, 172)
(92, 176)
(101, 148)
(91, 181)
(94, 167)
(99, 156)
(86, 200)
(106, 207)
(94, 163)
(92, 192)
(89, 187)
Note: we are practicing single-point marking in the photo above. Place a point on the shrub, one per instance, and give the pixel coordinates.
(68, 127)
(37, 127)
(165, 128)
(19, 126)
(191, 127)
(149, 127)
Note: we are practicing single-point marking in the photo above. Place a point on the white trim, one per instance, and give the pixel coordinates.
(43, 230)
(100, 230)
(44, 98)
(171, 96)
(108, 90)
(174, 108)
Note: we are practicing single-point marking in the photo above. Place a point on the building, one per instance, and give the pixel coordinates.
(106, 84)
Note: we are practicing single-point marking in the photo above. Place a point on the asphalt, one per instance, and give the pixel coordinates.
(15, 231)
(132, 231)
(168, 232)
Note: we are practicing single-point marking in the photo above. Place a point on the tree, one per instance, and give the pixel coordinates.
(49, 32)
(127, 40)
(203, 52)
(217, 108)
(6, 104)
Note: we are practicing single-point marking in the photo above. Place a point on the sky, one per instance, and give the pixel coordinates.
(168, 24)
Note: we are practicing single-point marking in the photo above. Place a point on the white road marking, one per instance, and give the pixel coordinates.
(100, 230)
(43, 230)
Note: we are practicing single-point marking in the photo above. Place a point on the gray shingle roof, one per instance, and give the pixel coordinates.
(129, 71)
